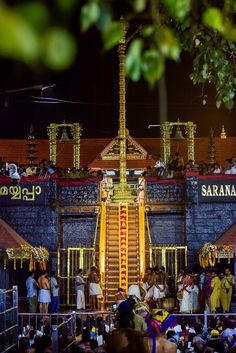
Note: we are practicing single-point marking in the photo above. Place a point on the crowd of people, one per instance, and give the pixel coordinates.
(44, 169)
(177, 168)
(174, 168)
(135, 327)
(43, 293)
(196, 292)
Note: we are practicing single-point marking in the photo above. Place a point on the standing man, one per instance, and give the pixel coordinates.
(160, 287)
(141, 188)
(55, 292)
(227, 284)
(94, 288)
(31, 286)
(80, 283)
(44, 297)
(215, 292)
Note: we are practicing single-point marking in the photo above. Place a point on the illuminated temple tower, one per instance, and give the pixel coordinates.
(122, 226)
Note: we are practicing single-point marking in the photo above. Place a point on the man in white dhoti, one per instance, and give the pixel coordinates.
(44, 297)
(160, 287)
(80, 285)
(95, 290)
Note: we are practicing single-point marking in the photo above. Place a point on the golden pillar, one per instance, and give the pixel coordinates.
(166, 129)
(190, 129)
(123, 191)
(76, 133)
(52, 131)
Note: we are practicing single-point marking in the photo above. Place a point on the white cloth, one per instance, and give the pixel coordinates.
(149, 291)
(233, 169)
(134, 290)
(159, 293)
(44, 296)
(186, 303)
(95, 289)
(80, 302)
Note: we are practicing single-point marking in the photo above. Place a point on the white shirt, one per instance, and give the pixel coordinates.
(233, 169)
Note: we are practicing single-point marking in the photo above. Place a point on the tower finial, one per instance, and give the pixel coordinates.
(223, 135)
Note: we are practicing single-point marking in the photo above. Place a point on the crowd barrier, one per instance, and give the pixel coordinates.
(64, 327)
(8, 319)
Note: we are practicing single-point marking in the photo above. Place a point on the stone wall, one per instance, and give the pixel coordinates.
(201, 221)
(78, 231)
(167, 229)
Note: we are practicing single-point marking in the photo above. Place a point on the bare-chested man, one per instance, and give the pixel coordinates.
(160, 286)
(44, 293)
(162, 345)
(148, 284)
(95, 290)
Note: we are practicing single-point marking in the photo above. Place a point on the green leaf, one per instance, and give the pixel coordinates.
(213, 18)
(218, 103)
(105, 19)
(147, 31)
(59, 49)
(229, 104)
(89, 14)
(133, 60)
(66, 6)
(18, 39)
(178, 8)
(169, 45)
(153, 65)
(112, 35)
(35, 13)
(139, 5)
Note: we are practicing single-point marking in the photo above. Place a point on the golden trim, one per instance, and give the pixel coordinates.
(142, 247)
(102, 244)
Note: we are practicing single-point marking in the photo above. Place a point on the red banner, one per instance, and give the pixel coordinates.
(123, 244)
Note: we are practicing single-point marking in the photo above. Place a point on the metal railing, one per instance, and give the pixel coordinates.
(8, 318)
(66, 326)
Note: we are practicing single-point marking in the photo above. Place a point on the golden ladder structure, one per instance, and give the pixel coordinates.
(122, 247)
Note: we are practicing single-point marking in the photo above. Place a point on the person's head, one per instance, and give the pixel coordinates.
(127, 341)
(32, 273)
(213, 273)
(44, 273)
(42, 343)
(80, 271)
(156, 269)
(221, 275)
(53, 274)
(227, 271)
(86, 336)
(199, 347)
(162, 268)
(120, 289)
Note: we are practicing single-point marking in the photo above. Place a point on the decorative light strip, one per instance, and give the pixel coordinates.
(142, 242)
(102, 244)
(123, 245)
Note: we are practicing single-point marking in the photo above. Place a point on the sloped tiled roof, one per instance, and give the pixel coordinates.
(228, 237)
(9, 238)
(16, 150)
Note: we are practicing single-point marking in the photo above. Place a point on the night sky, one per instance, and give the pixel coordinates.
(93, 82)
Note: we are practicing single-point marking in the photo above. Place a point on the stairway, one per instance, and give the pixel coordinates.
(112, 261)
